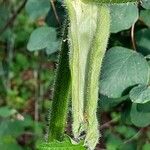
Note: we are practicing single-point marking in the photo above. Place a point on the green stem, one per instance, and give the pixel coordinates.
(75, 65)
(94, 63)
(83, 19)
(89, 33)
(61, 94)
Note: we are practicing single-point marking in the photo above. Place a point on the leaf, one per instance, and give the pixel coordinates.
(146, 4)
(11, 127)
(144, 107)
(123, 16)
(143, 40)
(122, 68)
(140, 94)
(9, 144)
(128, 146)
(146, 146)
(125, 131)
(106, 104)
(37, 9)
(145, 16)
(53, 47)
(113, 142)
(43, 37)
(125, 113)
(64, 145)
(138, 118)
(6, 112)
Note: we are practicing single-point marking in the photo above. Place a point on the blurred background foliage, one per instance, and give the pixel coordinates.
(30, 35)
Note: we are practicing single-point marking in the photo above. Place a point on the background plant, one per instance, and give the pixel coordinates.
(124, 94)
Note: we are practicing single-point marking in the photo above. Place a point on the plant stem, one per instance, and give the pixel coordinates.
(83, 22)
(76, 67)
(61, 93)
(94, 63)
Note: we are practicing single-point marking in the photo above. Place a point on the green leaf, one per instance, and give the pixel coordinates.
(140, 94)
(138, 118)
(37, 9)
(146, 146)
(9, 145)
(53, 47)
(122, 69)
(146, 4)
(128, 146)
(43, 37)
(123, 16)
(6, 112)
(144, 107)
(11, 127)
(113, 142)
(106, 104)
(145, 16)
(125, 113)
(124, 131)
(143, 40)
(64, 145)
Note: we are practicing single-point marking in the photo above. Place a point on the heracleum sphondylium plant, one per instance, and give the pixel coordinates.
(89, 33)
(89, 30)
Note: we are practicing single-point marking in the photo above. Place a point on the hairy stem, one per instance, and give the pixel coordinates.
(61, 93)
(82, 28)
(94, 63)
(88, 36)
